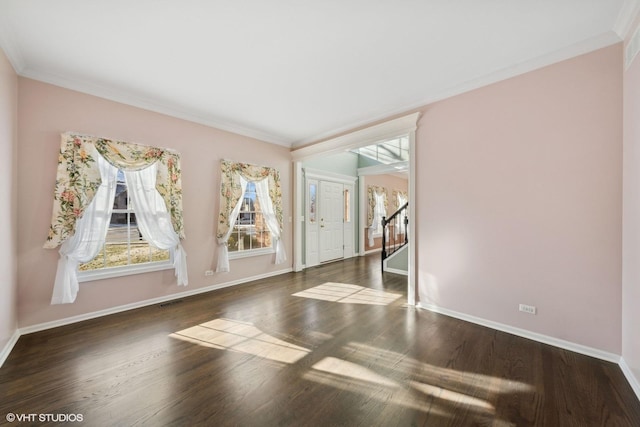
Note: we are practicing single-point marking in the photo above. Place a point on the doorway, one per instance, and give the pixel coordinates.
(329, 229)
(405, 125)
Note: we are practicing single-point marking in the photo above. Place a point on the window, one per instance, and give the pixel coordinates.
(347, 205)
(124, 247)
(387, 152)
(312, 203)
(250, 233)
(379, 212)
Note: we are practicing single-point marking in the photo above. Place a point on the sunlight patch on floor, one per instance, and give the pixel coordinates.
(396, 378)
(353, 370)
(228, 334)
(430, 374)
(443, 393)
(348, 294)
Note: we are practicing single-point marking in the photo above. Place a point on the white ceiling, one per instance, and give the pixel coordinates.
(295, 71)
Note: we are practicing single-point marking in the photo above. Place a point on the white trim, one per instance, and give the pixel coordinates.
(109, 273)
(585, 46)
(413, 221)
(9, 346)
(545, 339)
(150, 104)
(626, 17)
(360, 138)
(631, 378)
(298, 215)
(393, 168)
(247, 253)
(113, 310)
(10, 48)
(373, 251)
(321, 175)
(396, 271)
(632, 48)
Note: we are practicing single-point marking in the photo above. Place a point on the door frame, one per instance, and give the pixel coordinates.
(400, 126)
(310, 174)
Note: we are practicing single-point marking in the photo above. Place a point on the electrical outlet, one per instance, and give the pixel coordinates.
(208, 273)
(531, 309)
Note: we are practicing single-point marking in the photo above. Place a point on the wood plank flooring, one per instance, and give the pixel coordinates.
(334, 345)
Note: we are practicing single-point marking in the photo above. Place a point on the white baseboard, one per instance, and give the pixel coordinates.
(8, 347)
(628, 373)
(545, 339)
(139, 304)
(395, 271)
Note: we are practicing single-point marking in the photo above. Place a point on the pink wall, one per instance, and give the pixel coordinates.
(519, 200)
(8, 205)
(631, 220)
(45, 111)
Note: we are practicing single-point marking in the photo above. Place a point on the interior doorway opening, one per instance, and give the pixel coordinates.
(401, 128)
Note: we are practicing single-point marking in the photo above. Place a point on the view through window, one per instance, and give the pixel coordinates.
(250, 231)
(124, 245)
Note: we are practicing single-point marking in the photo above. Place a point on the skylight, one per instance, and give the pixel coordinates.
(387, 152)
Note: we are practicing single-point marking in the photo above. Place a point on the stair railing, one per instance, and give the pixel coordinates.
(392, 242)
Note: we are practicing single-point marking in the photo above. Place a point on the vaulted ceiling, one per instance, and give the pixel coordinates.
(294, 71)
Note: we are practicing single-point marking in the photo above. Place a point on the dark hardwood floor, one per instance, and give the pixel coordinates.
(334, 345)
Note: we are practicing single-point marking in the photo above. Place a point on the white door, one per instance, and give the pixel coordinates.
(331, 209)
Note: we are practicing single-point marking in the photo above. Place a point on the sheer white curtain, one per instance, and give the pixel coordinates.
(223, 250)
(90, 234)
(269, 213)
(400, 218)
(378, 213)
(153, 218)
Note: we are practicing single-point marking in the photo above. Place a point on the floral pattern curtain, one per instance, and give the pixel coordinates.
(372, 190)
(231, 191)
(78, 179)
(376, 195)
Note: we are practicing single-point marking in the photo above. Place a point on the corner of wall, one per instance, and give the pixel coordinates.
(8, 207)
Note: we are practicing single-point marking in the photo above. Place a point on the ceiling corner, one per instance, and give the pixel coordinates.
(628, 14)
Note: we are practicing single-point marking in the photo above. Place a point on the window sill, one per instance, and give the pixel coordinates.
(253, 252)
(109, 273)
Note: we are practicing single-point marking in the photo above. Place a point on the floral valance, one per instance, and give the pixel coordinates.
(231, 191)
(78, 179)
(372, 191)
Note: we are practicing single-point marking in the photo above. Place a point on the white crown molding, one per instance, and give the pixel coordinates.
(151, 105)
(545, 339)
(626, 17)
(311, 173)
(628, 12)
(577, 49)
(360, 138)
(10, 49)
